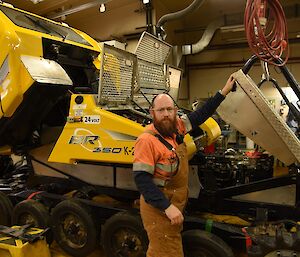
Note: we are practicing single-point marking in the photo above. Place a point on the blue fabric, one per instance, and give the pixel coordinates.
(150, 191)
(207, 110)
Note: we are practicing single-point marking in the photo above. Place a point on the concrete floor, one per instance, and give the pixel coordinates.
(57, 252)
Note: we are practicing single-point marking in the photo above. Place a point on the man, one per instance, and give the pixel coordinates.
(161, 171)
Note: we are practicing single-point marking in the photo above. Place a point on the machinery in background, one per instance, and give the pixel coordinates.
(71, 110)
(234, 168)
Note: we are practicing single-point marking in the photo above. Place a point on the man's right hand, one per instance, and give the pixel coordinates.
(174, 214)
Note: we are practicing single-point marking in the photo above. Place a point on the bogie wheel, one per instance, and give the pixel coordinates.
(199, 243)
(74, 228)
(6, 208)
(31, 212)
(123, 235)
(34, 213)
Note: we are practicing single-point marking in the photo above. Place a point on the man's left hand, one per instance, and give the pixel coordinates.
(228, 86)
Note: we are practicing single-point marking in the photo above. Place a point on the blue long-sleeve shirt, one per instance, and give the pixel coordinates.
(144, 180)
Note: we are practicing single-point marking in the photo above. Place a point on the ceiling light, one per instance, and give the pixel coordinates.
(102, 8)
(78, 8)
(36, 1)
(146, 1)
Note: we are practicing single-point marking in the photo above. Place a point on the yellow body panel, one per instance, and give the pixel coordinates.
(212, 130)
(190, 145)
(95, 135)
(15, 42)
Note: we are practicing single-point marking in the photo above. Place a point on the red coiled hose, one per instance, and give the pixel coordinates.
(267, 36)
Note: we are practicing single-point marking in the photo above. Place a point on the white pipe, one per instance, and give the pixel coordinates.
(205, 40)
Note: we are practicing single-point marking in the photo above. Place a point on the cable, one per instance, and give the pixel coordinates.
(267, 36)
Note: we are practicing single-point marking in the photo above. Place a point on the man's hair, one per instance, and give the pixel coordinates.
(153, 99)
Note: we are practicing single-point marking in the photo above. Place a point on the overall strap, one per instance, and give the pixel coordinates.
(162, 140)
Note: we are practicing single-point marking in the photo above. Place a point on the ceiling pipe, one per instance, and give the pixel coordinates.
(179, 51)
(205, 39)
(176, 15)
(78, 9)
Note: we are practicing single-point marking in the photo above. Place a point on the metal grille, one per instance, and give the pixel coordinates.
(151, 75)
(152, 49)
(152, 54)
(117, 76)
(152, 81)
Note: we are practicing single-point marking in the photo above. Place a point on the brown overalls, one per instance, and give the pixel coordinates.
(164, 238)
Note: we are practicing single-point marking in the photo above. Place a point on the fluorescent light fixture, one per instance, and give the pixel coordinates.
(36, 1)
(102, 8)
(234, 28)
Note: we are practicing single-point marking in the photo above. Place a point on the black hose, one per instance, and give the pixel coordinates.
(292, 108)
(176, 15)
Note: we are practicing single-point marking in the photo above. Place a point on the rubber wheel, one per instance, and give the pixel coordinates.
(199, 243)
(6, 208)
(31, 212)
(34, 213)
(74, 228)
(123, 235)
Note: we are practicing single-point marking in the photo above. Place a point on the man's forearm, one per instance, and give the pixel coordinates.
(150, 191)
(202, 114)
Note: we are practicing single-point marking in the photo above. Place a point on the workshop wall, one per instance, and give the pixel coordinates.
(209, 70)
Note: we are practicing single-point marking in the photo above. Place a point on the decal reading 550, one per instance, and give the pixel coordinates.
(91, 142)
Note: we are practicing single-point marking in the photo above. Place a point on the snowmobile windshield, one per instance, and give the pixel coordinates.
(28, 21)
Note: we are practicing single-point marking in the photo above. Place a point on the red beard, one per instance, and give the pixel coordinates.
(166, 127)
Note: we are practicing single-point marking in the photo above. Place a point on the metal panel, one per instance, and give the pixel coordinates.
(151, 49)
(152, 54)
(117, 76)
(194, 182)
(124, 179)
(93, 174)
(151, 75)
(281, 195)
(250, 112)
(46, 71)
(151, 81)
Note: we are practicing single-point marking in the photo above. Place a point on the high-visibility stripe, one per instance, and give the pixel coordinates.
(138, 166)
(159, 182)
(167, 167)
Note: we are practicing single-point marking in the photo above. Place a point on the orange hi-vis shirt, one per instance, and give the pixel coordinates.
(152, 156)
